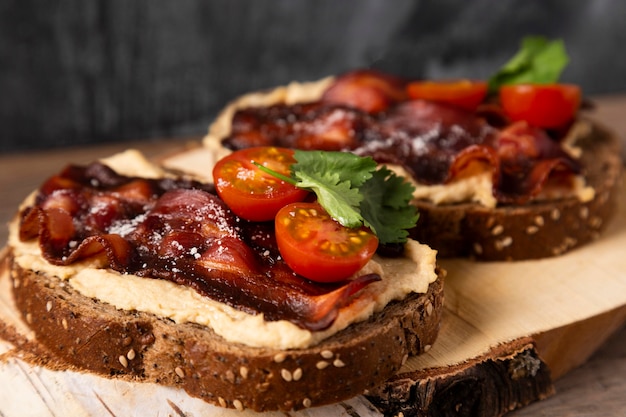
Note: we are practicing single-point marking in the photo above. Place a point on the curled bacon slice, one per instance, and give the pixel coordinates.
(528, 159)
(304, 126)
(368, 90)
(431, 141)
(179, 231)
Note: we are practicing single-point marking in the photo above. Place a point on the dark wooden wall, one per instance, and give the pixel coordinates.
(84, 71)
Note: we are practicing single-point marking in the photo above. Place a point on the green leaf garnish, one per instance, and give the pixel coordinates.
(356, 192)
(385, 206)
(538, 61)
(335, 177)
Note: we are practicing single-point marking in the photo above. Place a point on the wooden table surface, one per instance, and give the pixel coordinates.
(597, 388)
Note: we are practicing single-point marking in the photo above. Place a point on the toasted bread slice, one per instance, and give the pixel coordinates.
(90, 335)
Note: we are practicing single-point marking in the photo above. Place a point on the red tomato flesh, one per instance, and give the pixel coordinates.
(317, 247)
(467, 94)
(541, 105)
(251, 193)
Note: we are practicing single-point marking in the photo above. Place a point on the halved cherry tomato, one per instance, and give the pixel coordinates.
(463, 93)
(317, 247)
(251, 193)
(541, 105)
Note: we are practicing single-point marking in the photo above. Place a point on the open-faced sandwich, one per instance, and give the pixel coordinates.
(504, 169)
(247, 293)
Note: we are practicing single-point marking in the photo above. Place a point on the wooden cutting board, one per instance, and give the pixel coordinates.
(509, 330)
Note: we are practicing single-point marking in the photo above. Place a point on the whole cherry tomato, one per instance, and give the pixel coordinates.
(541, 105)
(467, 94)
(251, 193)
(317, 247)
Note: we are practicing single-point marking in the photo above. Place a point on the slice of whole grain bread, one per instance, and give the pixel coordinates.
(85, 334)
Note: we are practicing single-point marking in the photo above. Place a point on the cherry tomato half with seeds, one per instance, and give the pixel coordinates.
(467, 94)
(251, 193)
(541, 105)
(317, 247)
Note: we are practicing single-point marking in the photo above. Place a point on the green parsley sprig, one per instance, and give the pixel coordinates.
(356, 192)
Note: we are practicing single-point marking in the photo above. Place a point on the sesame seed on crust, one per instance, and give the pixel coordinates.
(230, 376)
(238, 405)
(123, 361)
(497, 230)
(532, 229)
(429, 308)
(503, 243)
(327, 354)
(286, 375)
(338, 363)
(280, 357)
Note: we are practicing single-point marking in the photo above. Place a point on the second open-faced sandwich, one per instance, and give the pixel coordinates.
(504, 169)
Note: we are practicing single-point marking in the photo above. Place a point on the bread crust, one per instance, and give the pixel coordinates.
(535, 230)
(89, 335)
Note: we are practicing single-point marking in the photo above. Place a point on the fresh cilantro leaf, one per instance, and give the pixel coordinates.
(356, 192)
(335, 177)
(385, 206)
(538, 61)
(347, 166)
(339, 199)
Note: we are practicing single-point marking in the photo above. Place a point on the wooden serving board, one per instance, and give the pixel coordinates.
(509, 330)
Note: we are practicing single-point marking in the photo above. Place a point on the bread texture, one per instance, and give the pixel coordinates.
(93, 336)
(534, 230)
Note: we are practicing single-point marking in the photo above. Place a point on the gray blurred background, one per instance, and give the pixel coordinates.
(81, 71)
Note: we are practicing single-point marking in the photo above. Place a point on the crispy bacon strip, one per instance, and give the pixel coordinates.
(368, 90)
(304, 126)
(431, 141)
(528, 159)
(178, 231)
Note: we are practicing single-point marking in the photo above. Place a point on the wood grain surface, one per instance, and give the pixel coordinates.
(596, 387)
